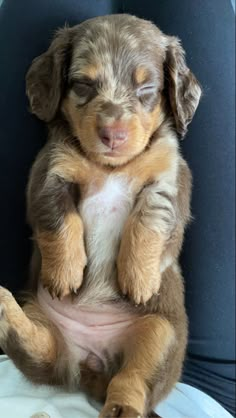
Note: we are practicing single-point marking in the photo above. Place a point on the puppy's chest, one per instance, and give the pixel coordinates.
(104, 210)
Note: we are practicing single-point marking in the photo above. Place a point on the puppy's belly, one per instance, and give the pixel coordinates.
(92, 333)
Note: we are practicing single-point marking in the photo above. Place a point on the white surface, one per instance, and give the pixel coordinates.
(20, 399)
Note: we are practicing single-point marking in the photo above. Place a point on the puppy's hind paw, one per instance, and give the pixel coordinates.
(10, 314)
(5, 298)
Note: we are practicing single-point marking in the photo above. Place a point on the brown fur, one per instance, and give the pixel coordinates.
(82, 83)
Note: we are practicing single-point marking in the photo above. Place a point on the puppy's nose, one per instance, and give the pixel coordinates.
(113, 136)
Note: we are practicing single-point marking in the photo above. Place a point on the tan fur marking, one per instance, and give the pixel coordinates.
(91, 71)
(73, 167)
(151, 164)
(63, 257)
(70, 164)
(141, 75)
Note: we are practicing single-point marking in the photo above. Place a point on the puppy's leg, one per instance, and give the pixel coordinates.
(146, 353)
(144, 239)
(147, 232)
(31, 341)
(54, 216)
(153, 235)
(57, 226)
(138, 262)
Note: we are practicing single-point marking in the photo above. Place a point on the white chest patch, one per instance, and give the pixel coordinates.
(104, 214)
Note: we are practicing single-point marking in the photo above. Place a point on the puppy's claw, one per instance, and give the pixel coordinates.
(124, 290)
(74, 293)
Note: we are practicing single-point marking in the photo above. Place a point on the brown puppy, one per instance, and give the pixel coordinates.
(108, 202)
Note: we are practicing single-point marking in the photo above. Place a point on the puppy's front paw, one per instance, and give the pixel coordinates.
(119, 411)
(138, 283)
(63, 276)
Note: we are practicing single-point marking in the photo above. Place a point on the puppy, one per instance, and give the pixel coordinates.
(108, 202)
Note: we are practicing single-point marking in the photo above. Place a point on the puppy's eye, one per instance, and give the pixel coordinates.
(85, 90)
(146, 89)
(82, 88)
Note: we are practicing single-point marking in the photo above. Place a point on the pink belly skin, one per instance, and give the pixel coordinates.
(89, 330)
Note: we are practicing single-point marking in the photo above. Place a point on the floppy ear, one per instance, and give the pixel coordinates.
(183, 87)
(47, 76)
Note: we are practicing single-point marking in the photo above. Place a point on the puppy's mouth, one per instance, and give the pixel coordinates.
(112, 153)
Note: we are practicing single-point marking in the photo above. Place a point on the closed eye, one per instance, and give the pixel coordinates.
(82, 88)
(146, 89)
(85, 89)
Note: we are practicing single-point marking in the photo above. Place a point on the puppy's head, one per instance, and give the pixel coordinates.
(115, 79)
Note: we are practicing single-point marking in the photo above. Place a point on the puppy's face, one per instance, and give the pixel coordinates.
(115, 83)
(110, 77)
